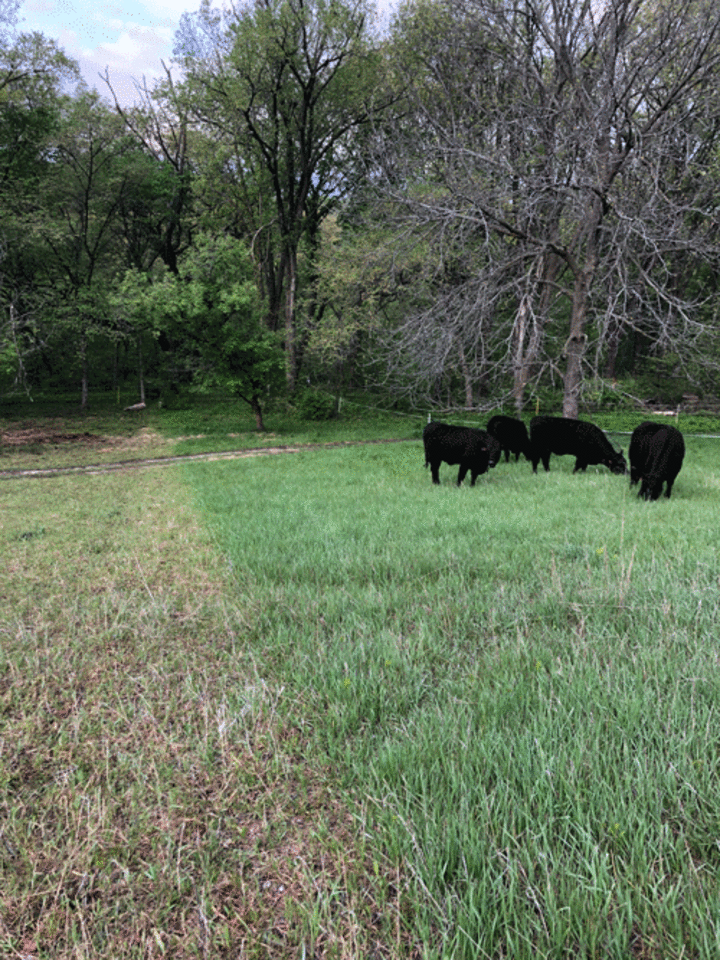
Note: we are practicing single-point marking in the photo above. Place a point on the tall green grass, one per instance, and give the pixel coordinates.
(520, 683)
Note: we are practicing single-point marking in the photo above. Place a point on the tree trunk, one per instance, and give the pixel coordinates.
(465, 368)
(529, 327)
(521, 367)
(141, 374)
(290, 316)
(257, 410)
(576, 342)
(84, 391)
(613, 334)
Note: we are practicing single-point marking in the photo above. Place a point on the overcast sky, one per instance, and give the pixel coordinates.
(131, 38)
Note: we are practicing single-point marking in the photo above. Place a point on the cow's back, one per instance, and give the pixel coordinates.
(640, 449)
(558, 435)
(511, 434)
(665, 458)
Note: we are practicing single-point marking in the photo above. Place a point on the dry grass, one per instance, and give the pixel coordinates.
(36, 445)
(152, 802)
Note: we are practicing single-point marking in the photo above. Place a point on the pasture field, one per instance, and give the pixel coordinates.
(519, 683)
(57, 434)
(153, 802)
(311, 706)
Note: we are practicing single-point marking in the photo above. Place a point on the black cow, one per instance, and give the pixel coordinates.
(475, 450)
(512, 436)
(563, 435)
(640, 449)
(657, 451)
(494, 449)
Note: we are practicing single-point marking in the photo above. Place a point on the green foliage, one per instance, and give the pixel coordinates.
(315, 405)
(8, 357)
(211, 310)
(545, 399)
(287, 94)
(603, 396)
(662, 379)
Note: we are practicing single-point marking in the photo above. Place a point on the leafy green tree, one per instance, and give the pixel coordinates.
(212, 312)
(158, 216)
(284, 86)
(77, 220)
(33, 73)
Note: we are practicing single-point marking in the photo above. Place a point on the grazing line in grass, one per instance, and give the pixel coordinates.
(154, 800)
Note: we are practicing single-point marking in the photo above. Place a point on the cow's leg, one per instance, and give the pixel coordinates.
(461, 473)
(546, 462)
(435, 470)
(668, 487)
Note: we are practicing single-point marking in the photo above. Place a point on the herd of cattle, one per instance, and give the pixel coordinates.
(656, 450)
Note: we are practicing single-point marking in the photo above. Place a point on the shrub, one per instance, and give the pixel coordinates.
(313, 405)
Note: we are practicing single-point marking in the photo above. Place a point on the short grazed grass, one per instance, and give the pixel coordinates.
(153, 802)
(520, 683)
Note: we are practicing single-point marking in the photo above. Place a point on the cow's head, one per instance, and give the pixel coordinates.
(494, 452)
(616, 463)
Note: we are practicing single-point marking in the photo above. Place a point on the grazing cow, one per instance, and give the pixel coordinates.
(563, 435)
(640, 449)
(512, 436)
(475, 450)
(494, 449)
(657, 451)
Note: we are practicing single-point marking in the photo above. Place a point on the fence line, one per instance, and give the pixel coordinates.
(465, 423)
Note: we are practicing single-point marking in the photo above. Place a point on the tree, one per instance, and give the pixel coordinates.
(286, 83)
(159, 220)
(33, 71)
(551, 154)
(211, 310)
(77, 220)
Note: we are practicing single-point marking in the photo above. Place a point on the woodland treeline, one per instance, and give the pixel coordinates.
(483, 200)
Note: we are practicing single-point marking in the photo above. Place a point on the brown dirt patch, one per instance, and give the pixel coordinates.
(21, 437)
(29, 436)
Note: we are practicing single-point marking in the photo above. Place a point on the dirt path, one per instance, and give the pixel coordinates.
(135, 464)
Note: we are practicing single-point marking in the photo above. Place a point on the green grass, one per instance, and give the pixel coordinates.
(518, 682)
(311, 705)
(152, 802)
(56, 434)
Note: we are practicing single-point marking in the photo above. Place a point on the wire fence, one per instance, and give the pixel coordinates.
(616, 422)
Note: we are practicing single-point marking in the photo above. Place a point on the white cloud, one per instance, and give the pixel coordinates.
(131, 38)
